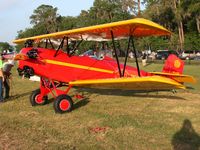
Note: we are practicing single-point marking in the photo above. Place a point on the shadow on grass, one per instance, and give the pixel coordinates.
(186, 138)
(140, 94)
(49, 101)
(190, 88)
(17, 96)
(77, 104)
(81, 103)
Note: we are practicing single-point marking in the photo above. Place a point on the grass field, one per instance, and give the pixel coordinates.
(107, 120)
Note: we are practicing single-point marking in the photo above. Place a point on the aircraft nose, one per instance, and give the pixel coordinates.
(21, 57)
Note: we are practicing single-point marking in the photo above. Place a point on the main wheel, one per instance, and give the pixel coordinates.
(63, 103)
(36, 100)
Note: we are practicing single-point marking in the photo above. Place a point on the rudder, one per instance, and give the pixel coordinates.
(173, 65)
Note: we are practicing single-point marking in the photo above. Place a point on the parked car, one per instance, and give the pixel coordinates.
(197, 58)
(189, 54)
(163, 54)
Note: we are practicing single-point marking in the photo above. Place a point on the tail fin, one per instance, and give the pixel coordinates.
(173, 65)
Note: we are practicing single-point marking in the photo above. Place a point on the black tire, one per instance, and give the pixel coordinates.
(63, 103)
(34, 101)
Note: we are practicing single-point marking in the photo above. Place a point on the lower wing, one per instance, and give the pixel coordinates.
(134, 83)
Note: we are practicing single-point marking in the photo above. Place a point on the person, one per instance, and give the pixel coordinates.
(152, 56)
(144, 59)
(1, 79)
(106, 50)
(97, 51)
(131, 55)
(7, 66)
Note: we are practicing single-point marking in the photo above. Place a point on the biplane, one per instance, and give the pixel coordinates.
(59, 67)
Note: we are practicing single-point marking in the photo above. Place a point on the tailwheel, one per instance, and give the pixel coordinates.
(63, 103)
(36, 99)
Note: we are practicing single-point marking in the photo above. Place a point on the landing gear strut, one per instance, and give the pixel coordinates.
(63, 102)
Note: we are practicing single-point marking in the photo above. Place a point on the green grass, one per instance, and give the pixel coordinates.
(126, 120)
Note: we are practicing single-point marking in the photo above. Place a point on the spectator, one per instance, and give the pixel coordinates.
(7, 66)
(131, 55)
(1, 80)
(152, 56)
(144, 59)
(106, 51)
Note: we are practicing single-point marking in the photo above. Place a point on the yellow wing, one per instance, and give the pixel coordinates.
(137, 27)
(178, 77)
(134, 83)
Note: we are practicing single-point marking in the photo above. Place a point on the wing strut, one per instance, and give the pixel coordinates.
(75, 47)
(51, 44)
(68, 45)
(127, 50)
(126, 56)
(113, 42)
(46, 43)
(60, 46)
(136, 60)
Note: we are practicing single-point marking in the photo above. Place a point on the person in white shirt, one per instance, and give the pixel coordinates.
(1, 79)
(7, 66)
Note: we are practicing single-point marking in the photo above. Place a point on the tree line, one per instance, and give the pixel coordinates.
(5, 46)
(181, 17)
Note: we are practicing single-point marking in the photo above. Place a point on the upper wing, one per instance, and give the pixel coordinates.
(134, 83)
(137, 27)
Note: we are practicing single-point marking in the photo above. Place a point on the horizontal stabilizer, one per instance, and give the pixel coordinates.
(181, 78)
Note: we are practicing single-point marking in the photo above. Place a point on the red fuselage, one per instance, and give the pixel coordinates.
(65, 68)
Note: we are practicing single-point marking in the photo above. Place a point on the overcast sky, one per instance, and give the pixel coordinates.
(14, 14)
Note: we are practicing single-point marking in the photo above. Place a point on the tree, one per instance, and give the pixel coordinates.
(104, 11)
(168, 13)
(46, 16)
(180, 17)
(130, 6)
(138, 7)
(192, 9)
(67, 23)
(5, 46)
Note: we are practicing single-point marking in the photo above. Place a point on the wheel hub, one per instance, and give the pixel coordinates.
(39, 99)
(64, 105)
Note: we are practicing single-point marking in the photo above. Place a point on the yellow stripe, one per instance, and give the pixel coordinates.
(77, 66)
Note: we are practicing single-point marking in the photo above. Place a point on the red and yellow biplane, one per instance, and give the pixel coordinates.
(58, 68)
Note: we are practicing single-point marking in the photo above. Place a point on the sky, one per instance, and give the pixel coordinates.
(14, 14)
